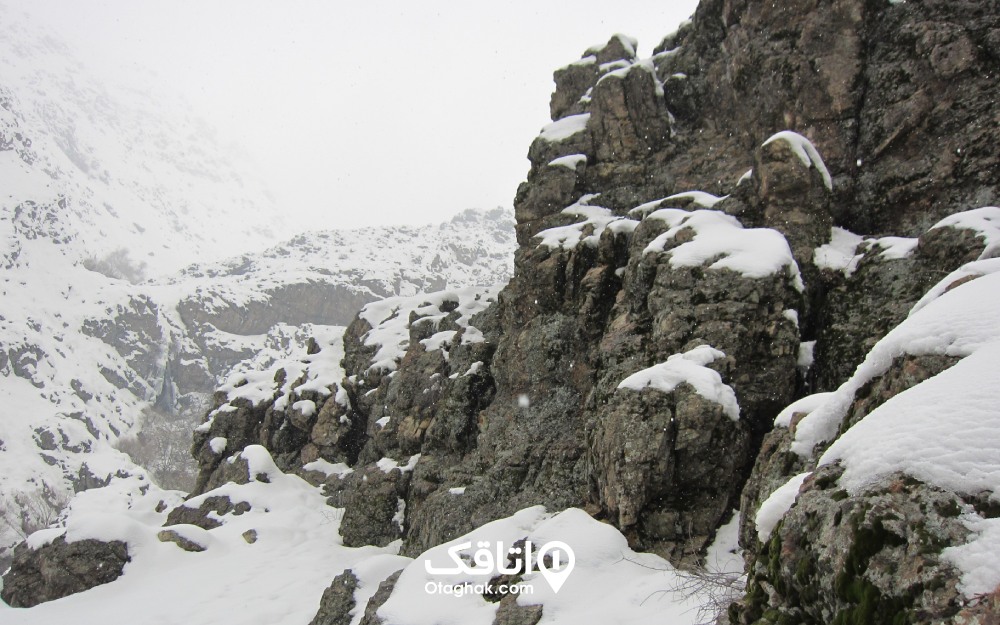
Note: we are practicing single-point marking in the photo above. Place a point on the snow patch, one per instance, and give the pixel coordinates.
(218, 445)
(984, 221)
(388, 464)
(328, 468)
(957, 323)
(572, 161)
(806, 151)
(689, 367)
(588, 232)
(721, 239)
(774, 507)
(840, 254)
(564, 128)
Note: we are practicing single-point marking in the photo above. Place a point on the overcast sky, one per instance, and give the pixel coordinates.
(363, 112)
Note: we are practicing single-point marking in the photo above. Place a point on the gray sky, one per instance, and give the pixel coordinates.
(363, 112)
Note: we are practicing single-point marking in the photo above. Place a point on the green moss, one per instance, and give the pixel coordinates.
(868, 606)
(804, 569)
(774, 559)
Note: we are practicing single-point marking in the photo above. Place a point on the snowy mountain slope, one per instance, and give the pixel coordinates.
(99, 167)
(88, 359)
(101, 185)
(345, 269)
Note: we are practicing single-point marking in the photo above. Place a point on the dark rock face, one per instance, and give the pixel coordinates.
(858, 310)
(337, 602)
(373, 503)
(60, 569)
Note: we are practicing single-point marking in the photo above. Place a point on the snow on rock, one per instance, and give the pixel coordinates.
(802, 406)
(806, 152)
(894, 248)
(620, 69)
(571, 161)
(694, 198)
(218, 444)
(388, 464)
(984, 221)
(276, 580)
(806, 355)
(840, 254)
(775, 506)
(565, 128)
(690, 368)
(475, 247)
(628, 44)
(643, 583)
(724, 554)
(957, 323)
(721, 239)
(944, 431)
(846, 249)
(966, 272)
(977, 559)
(328, 468)
(596, 220)
(698, 198)
(322, 372)
(390, 321)
(371, 572)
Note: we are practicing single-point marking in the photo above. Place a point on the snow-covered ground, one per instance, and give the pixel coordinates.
(296, 551)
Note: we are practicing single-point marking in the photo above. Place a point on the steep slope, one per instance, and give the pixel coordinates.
(88, 360)
(96, 167)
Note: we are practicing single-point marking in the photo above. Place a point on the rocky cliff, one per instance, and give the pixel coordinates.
(687, 268)
(755, 271)
(705, 236)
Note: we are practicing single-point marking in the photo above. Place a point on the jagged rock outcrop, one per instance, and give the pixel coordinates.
(628, 261)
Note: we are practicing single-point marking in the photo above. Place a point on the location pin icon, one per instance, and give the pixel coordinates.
(563, 561)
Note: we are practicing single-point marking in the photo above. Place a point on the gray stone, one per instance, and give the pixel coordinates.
(172, 536)
(60, 569)
(337, 602)
(378, 599)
